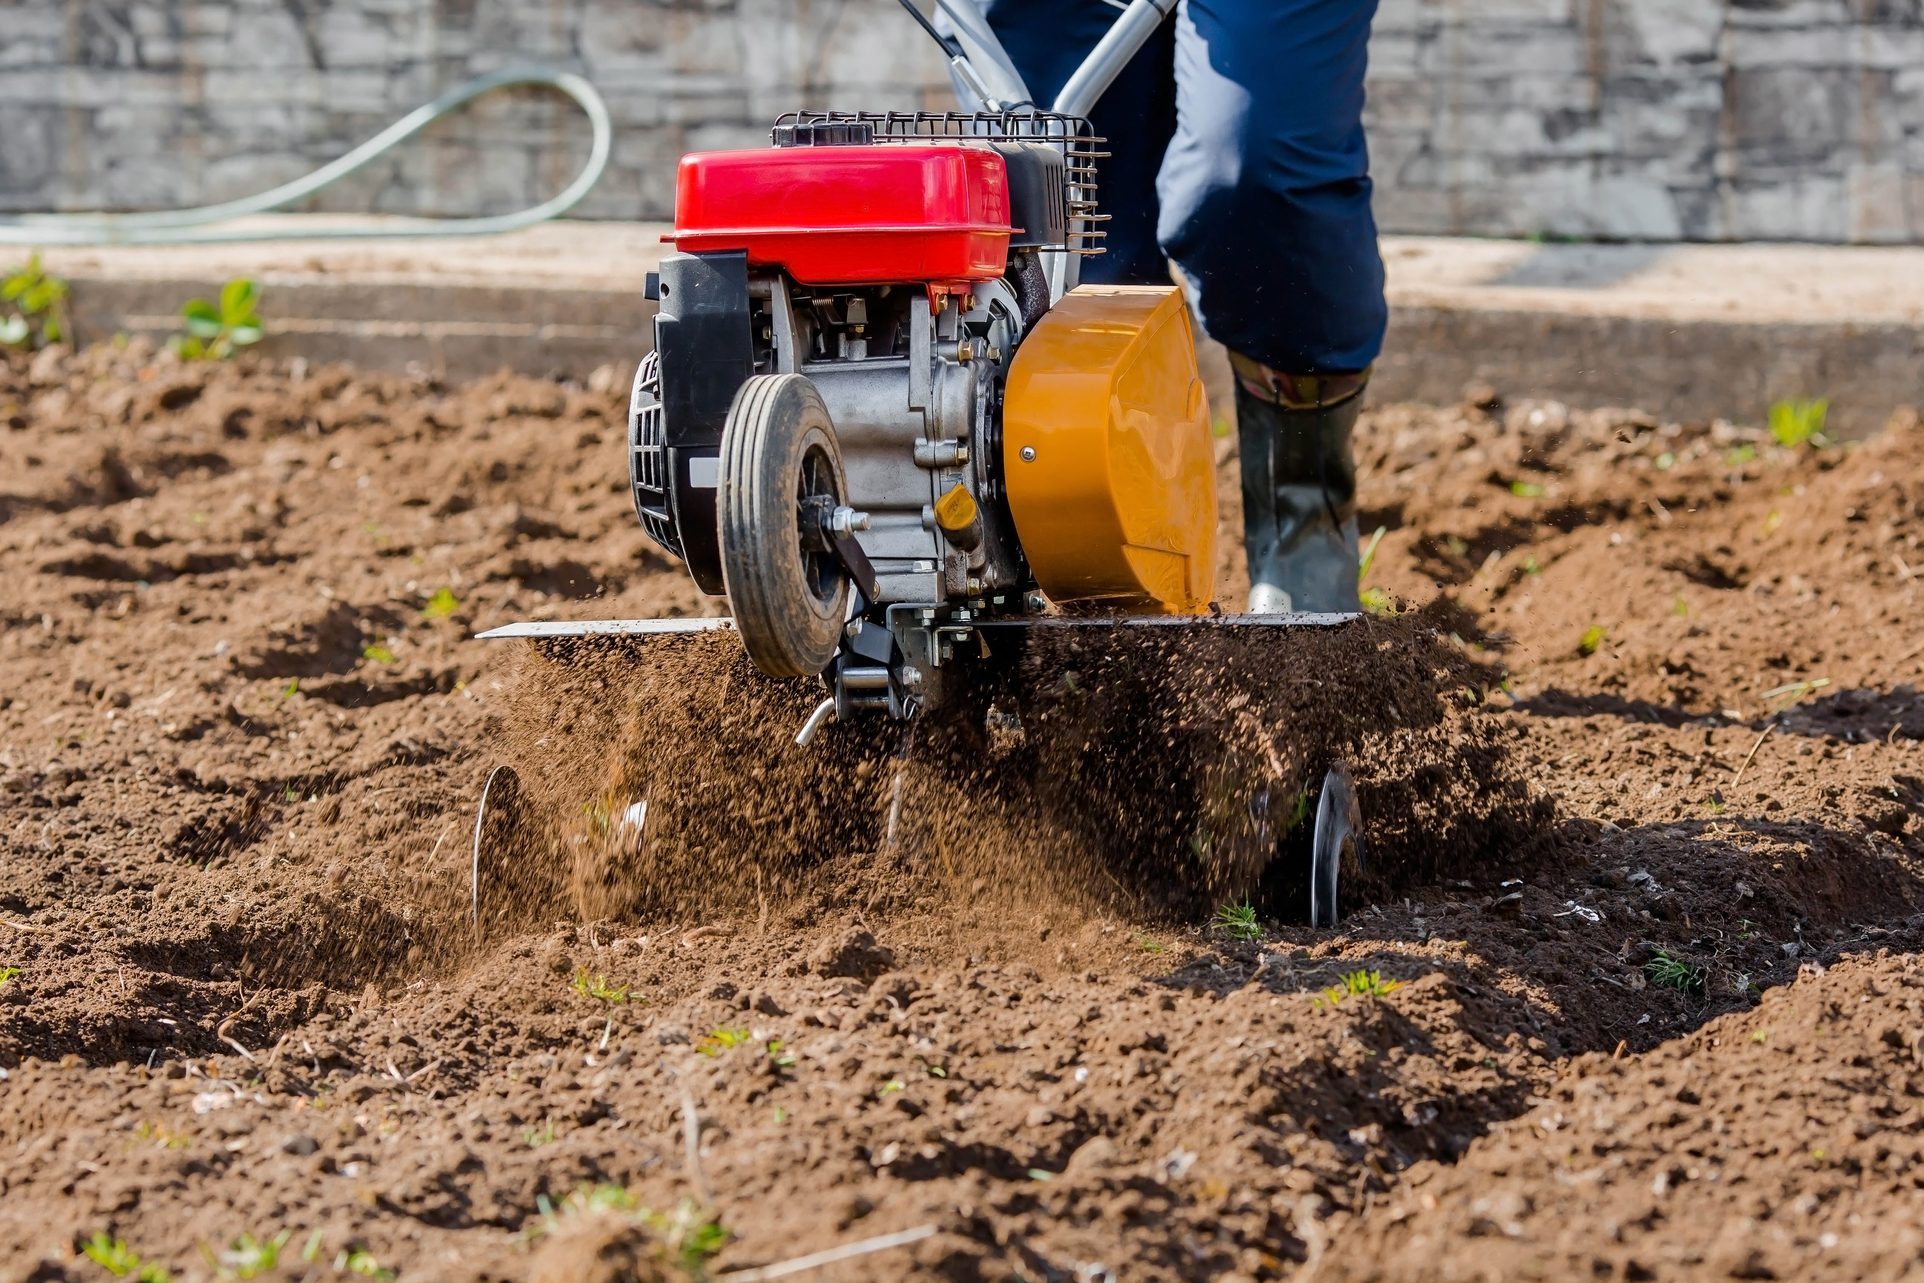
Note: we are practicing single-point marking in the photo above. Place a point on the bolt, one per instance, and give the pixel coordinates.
(1028, 454)
(965, 351)
(909, 675)
(1035, 602)
(844, 520)
(852, 629)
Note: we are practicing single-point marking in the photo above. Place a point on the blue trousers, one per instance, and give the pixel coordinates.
(1237, 150)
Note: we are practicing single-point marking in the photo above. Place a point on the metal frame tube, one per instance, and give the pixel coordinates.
(1112, 53)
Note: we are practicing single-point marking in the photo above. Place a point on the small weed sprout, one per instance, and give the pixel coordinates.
(1799, 423)
(690, 1236)
(1357, 984)
(1671, 972)
(114, 1256)
(1375, 600)
(1592, 640)
(1789, 694)
(8, 975)
(442, 604)
(358, 1260)
(536, 1137)
(598, 986)
(716, 1041)
(1298, 809)
(1526, 489)
(39, 306)
(160, 1136)
(248, 1257)
(376, 653)
(215, 331)
(1237, 921)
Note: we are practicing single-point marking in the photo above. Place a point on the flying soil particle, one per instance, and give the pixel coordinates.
(1150, 772)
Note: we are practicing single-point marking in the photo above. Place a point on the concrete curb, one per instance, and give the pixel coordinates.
(1687, 331)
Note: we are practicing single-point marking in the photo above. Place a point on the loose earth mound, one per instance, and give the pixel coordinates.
(1634, 991)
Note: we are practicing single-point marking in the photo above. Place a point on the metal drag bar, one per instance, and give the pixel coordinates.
(607, 628)
(658, 627)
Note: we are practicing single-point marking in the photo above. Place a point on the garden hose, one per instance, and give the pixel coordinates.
(192, 226)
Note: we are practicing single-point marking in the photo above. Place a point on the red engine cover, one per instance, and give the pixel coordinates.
(851, 215)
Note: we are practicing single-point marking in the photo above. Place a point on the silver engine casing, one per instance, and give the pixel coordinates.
(911, 427)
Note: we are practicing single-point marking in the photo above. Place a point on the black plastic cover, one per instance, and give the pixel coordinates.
(1037, 208)
(702, 334)
(706, 353)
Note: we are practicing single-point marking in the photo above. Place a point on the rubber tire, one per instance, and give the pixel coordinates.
(776, 419)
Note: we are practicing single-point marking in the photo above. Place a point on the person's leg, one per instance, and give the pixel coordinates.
(1265, 198)
(1047, 40)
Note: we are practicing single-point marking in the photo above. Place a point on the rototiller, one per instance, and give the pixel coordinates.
(883, 418)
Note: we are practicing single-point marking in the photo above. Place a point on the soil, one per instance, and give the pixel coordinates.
(1642, 891)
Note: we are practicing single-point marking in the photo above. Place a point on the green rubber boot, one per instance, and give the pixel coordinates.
(1299, 487)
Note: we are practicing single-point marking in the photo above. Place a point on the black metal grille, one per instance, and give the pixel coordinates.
(648, 456)
(1073, 135)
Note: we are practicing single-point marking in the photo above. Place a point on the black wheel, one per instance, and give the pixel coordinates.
(780, 465)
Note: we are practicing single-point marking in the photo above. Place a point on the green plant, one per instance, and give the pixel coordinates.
(442, 604)
(716, 1041)
(598, 986)
(114, 1256)
(7, 975)
(160, 1135)
(1357, 984)
(536, 1137)
(358, 1260)
(215, 331)
(1671, 972)
(1591, 641)
(1298, 809)
(376, 653)
(1376, 601)
(1526, 489)
(1796, 423)
(1789, 694)
(1237, 921)
(247, 1257)
(690, 1236)
(39, 304)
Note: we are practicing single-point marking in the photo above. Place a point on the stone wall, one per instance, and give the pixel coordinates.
(1637, 119)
